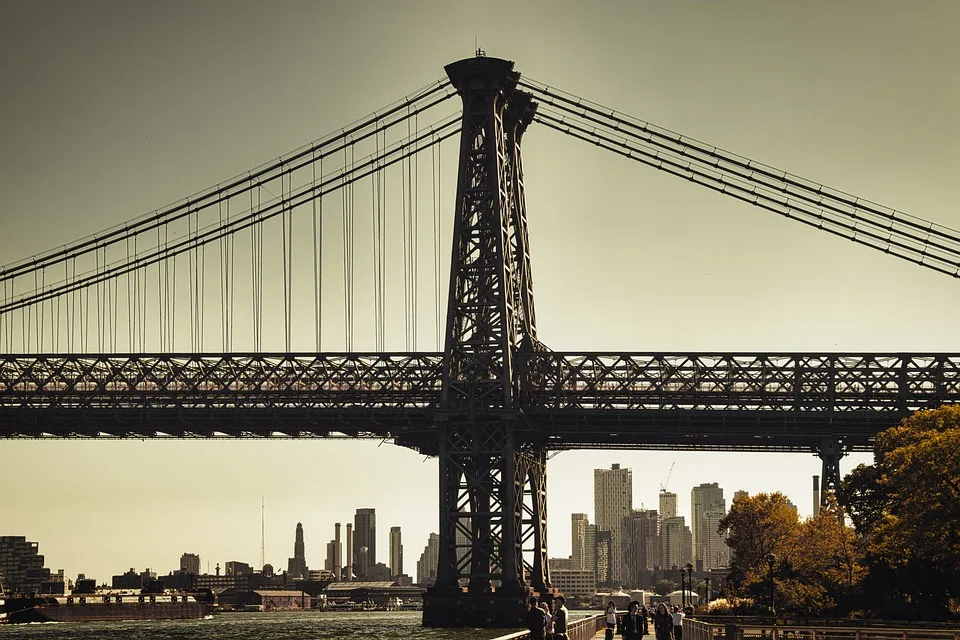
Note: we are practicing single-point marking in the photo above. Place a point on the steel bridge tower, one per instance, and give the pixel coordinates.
(492, 469)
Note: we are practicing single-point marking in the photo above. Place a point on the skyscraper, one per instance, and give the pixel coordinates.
(429, 559)
(707, 508)
(676, 542)
(364, 541)
(578, 539)
(642, 546)
(396, 552)
(668, 504)
(612, 502)
(590, 549)
(297, 565)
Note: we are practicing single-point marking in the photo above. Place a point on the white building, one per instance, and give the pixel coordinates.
(707, 508)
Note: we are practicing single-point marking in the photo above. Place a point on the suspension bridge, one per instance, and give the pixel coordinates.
(213, 317)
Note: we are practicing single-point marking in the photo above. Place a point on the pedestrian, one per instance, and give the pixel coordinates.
(560, 619)
(535, 620)
(631, 624)
(677, 616)
(547, 621)
(662, 623)
(611, 616)
(644, 614)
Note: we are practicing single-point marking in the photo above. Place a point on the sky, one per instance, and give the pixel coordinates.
(111, 109)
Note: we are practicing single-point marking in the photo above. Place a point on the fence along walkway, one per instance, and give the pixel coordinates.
(697, 630)
(582, 629)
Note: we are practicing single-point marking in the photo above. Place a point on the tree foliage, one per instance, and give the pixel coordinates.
(906, 507)
(816, 567)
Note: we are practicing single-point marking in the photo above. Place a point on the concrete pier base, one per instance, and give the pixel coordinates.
(445, 607)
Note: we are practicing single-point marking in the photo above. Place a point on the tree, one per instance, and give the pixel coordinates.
(817, 564)
(906, 506)
(757, 526)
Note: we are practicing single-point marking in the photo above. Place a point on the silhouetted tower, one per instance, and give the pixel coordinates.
(492, 470)
(297, 565)
(364, 541)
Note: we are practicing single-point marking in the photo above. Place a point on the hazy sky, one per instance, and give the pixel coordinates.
(110, 109)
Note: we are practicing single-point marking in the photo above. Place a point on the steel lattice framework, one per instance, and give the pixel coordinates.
(692, 401)
(497, 400)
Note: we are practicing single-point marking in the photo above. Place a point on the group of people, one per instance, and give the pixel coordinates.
(545, 624)
(634, 624)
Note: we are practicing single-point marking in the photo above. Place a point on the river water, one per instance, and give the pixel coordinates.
(255, 626)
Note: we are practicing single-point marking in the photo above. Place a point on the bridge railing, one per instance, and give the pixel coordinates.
(698, 630)
(582, 629)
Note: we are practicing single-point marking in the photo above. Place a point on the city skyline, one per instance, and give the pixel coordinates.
(316, 558)
(104, 120)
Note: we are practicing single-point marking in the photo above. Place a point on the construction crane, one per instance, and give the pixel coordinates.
(663, 487)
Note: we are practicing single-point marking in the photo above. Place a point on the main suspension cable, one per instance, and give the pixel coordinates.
(397, 152)
(749, 192)
(421, 100)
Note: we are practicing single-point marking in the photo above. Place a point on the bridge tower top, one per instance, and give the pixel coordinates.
(490, 304)
(481, 72)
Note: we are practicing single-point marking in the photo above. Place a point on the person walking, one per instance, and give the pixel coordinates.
(535, 619)
(547, 621)
(677, 616)
(560, 619)
(644, 614)
(662, 623)
(611, 618)
(631, 624)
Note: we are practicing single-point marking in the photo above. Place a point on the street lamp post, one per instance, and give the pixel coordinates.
(771, 560)
(690, 582)
(683, 593)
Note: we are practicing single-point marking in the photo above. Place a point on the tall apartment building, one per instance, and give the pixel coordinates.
(190, 563)
(676, 543)
(716, 553)
(612, 502)
(396, 552)
(364, 541)
(21, 565)
(427, 564)
(578, 539)
(642, 546)
(668, 505)
(707, 508)
(604, 545)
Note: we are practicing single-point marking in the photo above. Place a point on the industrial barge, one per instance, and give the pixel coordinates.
(91, 607)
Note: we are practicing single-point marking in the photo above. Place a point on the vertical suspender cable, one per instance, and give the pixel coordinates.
(414, 219)
(284, 228)
(317, 240)
(40, 345)
(223, 281)
(231, 240)
(406, 245)
(200, 288)
(436, 244)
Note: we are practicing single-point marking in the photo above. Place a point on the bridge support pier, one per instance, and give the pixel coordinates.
(492, 510)
(830, 451)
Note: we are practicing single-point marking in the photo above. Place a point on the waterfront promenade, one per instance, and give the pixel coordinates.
(592, 628)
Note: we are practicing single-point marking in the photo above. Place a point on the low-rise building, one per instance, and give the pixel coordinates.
(574, 582)
(264, 600)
